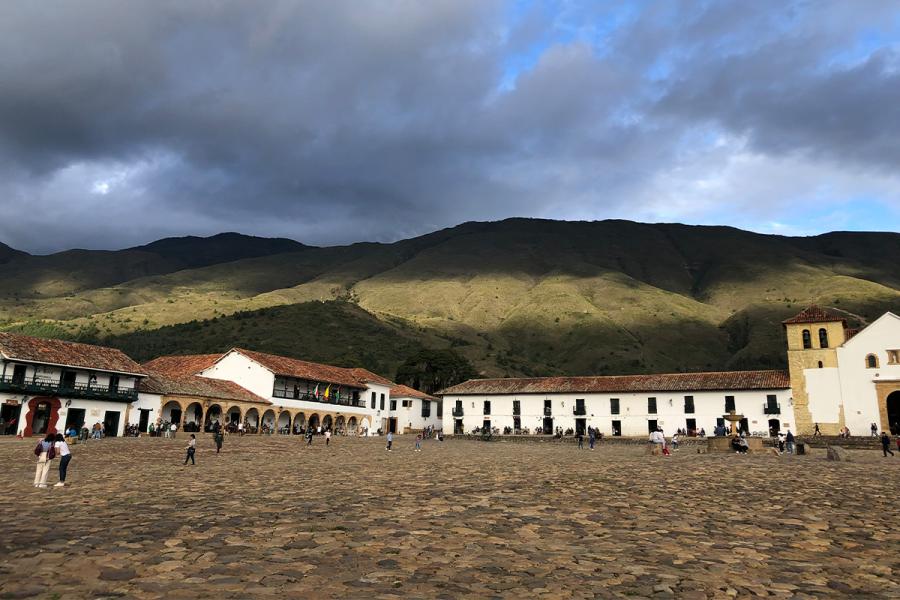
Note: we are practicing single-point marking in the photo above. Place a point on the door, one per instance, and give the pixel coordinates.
(651, 425)
(617, 428)
(774, 427)
(392, 424)
(144, 421)
(458, 427)
(691, 425)
(9, 418)
(580, 426)
(75, 418)
(745, 425)
(111, 423)
(548, 425)
(67, 380)
(18, 377)
(486, 425)
(41, 418)
(893, 412)
(176, 416)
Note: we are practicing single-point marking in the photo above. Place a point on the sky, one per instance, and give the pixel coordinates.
(361, 120)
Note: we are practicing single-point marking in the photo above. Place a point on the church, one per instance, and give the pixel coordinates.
(837, 377)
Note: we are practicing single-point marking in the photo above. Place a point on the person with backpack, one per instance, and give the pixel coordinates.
(45, 452)
(65, 455)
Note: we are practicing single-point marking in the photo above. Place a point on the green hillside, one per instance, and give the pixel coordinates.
(515, 297)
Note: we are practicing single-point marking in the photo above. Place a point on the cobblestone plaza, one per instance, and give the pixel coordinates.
(269, 517)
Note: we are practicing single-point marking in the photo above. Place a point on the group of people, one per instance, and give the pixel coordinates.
(53, 446)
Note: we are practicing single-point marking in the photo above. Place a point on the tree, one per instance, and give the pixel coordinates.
(432, 370)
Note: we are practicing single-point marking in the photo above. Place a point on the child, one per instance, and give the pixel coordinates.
(419, 443)
(191, 448)
(390, 440)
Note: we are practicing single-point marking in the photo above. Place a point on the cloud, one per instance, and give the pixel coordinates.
(361, 120)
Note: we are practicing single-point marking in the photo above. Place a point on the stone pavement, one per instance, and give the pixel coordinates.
(270, 518)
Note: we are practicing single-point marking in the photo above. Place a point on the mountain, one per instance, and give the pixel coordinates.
(514, 297)
(7, 253)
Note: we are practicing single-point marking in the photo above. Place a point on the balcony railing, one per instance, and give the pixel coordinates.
(458, 411)
(290, 395)
(49, 387)
(771, 409)
(548, 412)
(579, 411)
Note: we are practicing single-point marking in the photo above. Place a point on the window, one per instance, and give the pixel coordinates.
(517, 407)
(487, 407)
(440, 410)
(613, 407)
(688, 404)
(823, 338)
(893, 357)
(373, 401)
(382, 402)
(807, 339)
(394, 404)
(821, 364)
(548, 408)
(67, 380)
(580, 409)
(729, 404)
(426, 409)
(651, 407)
(113, 384)
(871, 361)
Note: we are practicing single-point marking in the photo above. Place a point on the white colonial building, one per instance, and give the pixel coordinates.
(844, 377)
(52, 385)
(412, 410)
(626, 405)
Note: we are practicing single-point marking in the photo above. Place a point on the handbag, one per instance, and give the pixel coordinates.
(51, 453)
(37, 449)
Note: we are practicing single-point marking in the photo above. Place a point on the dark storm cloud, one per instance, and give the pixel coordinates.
(333, 122)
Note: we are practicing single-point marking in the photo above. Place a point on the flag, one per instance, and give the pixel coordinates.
(327, 390)
(316, 392)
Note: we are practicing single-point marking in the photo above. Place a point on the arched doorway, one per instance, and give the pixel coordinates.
(43, 413)
(893, 412)
(313, 422)
(284, 422)
(339, 425)
(252, 420)
(364, 426)
(171, 412)
(193, 417)
(299, 422)
(351, 425)
(213, 416)
(268, 421)
(233, 417)
(326, 423)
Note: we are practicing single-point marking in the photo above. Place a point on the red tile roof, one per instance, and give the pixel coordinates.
(814, 314)
(301, 369)
(176, 375)
(200, 387)
(188, 364)
(69, 354)
(404, 391)
(665, 382)
(367, 376)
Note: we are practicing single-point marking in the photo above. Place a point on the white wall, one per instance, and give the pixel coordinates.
(145, 401)
(94, 412)
(823, 389)
(248, 374)
(633, 415)
(411, 417)
(857, 382)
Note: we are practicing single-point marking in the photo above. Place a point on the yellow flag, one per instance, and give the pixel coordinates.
(327, 391)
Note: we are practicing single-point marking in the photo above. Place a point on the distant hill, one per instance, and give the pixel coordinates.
(7, 253)
(515, 297)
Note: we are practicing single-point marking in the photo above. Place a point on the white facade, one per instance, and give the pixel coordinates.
(408, 413)
(851, 386)
(633, 418)
(46, 381)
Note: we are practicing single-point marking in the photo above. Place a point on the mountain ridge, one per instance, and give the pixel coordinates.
(519, 296)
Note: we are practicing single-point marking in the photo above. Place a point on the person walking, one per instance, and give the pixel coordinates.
(886, 444)
(241, 429)
(390, 441)
(65, 455)
(309, 436)
(327, 436)
(781, 442)
(675, 442)
(173, 428)
(580, 437)
(592, 437)
(419, 443)
(219, 438)
(874, 429)
(789, 440)
(191, 449)
(817, 432)
(45, 452)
